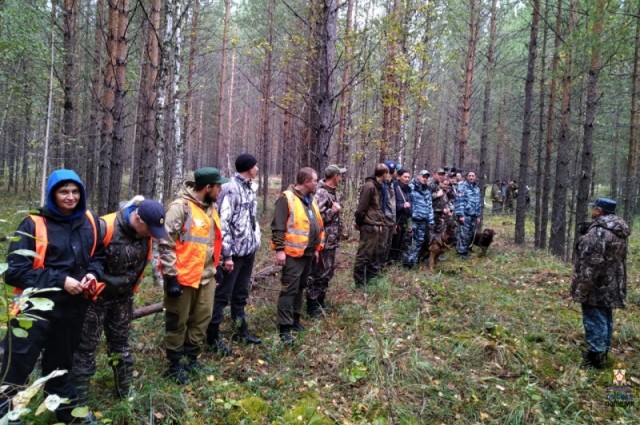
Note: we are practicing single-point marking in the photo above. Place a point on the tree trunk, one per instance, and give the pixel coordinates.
(47, 133)
(229, 168)
(69, 42)
(585, 173)
(120, 63)
(391, 97)
(222, 146)
(188, 134)
(467, 88)
(178, 166)
(266, 96)
(546, 184)
(632, 158)
(613, 191)
(523, 174)
(345, 96)
(486, 108)
(540, 149)
(558, 237)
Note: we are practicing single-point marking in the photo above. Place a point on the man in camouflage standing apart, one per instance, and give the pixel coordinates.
(599, 280)
(468, 213)
(322, 271)
(240, 242)
(439, 201)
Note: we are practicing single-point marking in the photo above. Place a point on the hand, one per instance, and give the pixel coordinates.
(228, 265)
(280, 258)
(439, 193)
(336, 207)
(219, 276)
(478, 220)
(172, 287)
(461, 220)
(407, 205)
(73, 286)
(317, 257)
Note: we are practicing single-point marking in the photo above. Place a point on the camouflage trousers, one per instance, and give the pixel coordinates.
(420, 233)
(466, 232)
(114, 316)
(321, 273)
(401, 240)
(598, 327)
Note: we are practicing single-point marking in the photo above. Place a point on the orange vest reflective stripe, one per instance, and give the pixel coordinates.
(42, 241)
(191, 248)
(296, 238)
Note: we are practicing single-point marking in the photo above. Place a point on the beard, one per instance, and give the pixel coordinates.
(208, 199)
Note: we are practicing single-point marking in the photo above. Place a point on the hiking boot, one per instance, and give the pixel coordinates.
(195, 367)
(594, 360)
(177, 373)
(123, 374)
(325, 307)
(215, 342)
(297, 326)
(313, 309)
(285, 335)
(243, 334)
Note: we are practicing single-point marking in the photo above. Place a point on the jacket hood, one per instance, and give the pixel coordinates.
(57, 179)
(614, 224)
(187, 192)
(373, 179)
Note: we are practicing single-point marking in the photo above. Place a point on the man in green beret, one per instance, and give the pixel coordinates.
(188, 260)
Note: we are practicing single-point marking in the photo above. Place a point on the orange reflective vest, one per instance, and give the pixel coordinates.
(191, 248)
(296, 238)
(42, 241)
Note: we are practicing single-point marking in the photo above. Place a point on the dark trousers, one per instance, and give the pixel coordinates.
(366, 267)
(598, 327)
(115, 317)
(295, 274)
(56, 336)
(233, 291)
(401, 240)
(321, 273)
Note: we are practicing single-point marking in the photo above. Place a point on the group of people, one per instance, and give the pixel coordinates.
(504, 195)
(399, 216)
(207, 240)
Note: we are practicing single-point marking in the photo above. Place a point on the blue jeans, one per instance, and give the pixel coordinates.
(598, 327)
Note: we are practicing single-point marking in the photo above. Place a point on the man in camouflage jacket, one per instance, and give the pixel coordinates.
(468, 212)
(322, 271)
(237, 207)
(599, 280)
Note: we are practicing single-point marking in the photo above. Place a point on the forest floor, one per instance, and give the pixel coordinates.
(491, 340)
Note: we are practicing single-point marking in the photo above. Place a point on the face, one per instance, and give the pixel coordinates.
(422, 179)
(439, 176)
(338, 178)
(253, 173)
(140, 227)
(212, 192)
(310, 185)
(471, 177)
(596, 212)
(67, 197)
(405, 177)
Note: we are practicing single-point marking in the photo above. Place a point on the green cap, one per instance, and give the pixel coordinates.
(209, 175)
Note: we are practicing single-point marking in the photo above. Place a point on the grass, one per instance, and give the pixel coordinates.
(493, 340)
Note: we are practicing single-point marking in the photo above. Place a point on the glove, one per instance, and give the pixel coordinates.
(219, 274)
(172, 287)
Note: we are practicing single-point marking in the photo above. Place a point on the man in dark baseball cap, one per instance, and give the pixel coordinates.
(152, 213)
(608, 206)
(333, 170)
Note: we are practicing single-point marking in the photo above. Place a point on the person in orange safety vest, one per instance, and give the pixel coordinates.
(297, 237)
(188, 260)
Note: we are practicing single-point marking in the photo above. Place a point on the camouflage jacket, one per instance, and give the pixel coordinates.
(238, 208)
(439, 202)
(326, 196)
(468, 200)
(422, 210)
(600, 270)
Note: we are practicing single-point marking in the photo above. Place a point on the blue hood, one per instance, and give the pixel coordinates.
(57, 178)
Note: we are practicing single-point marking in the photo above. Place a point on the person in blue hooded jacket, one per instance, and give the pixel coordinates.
(422, 218)
(70, 260)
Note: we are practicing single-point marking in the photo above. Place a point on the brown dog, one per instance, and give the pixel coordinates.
(483, 239)
(440, 243)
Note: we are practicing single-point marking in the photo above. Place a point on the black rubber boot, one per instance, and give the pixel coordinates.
(122, 367)
(80, 380)
(594, 360)
(297, 326)
(313, 308)
(192, 365)
(177, 372)
(326, 308)
(243, 334)
(215, 341)
(285, 335)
